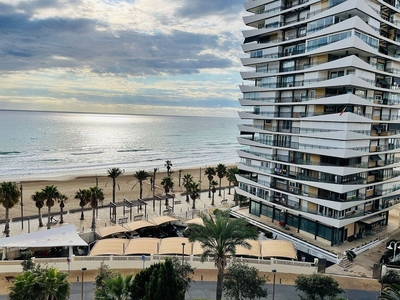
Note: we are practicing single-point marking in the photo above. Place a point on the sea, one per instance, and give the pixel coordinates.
(50, 145)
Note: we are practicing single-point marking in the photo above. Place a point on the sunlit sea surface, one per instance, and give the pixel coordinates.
(47, 145)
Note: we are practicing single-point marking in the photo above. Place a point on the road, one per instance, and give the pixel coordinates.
(206, 290)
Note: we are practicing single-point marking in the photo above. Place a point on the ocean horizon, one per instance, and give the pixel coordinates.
(54, 145)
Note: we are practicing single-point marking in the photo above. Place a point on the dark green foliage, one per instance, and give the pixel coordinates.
(242, 282)
(183, 271)
(350, 255)
(390, 292)
(104, 274)
(116, 287)
(27, 263)
(41, 284)
(159, 281)
(317, 287)
(390, 277)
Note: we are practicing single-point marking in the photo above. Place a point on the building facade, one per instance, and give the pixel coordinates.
(321, 94)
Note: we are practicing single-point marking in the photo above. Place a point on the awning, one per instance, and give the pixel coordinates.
(109, 230)
(372, 220)
(255, 250)
(173, 245)
(251, 39)
(163, 219)
(376, 158)
(56, 237)
(142, 246)
(109, 247)
(278, 248)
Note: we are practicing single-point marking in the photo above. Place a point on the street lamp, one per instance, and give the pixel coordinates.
(83, 271)
(22, 208)
(394, 249)
(273, 285)
(183, 252)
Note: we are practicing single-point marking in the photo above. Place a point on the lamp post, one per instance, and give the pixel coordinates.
(83, 272)
(183, 252)
(394, 249)
(273, 285)
(22, 208)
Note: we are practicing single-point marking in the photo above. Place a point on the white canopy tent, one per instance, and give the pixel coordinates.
(63, 236)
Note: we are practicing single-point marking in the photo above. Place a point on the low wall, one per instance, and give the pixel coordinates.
(76, 263)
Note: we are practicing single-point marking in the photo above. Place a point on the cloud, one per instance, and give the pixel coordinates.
(200, 8)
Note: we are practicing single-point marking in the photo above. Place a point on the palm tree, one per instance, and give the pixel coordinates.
(154, 181)
(115, 288)
(9, 196)
(114, 173)
(168, 165)
(168, 184)
(96, 195)
(187, 179)
(194, 191)
(219, 237)
(141, 176)
(213, 190)
(62, 199)
(210, 172)
(231, 176)
(390, 292)
(39, 198)
(179, 176)
(221, 172)
(84, 197)
(42, 284)
(51, 193)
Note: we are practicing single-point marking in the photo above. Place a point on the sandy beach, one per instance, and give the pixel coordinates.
(127, 187)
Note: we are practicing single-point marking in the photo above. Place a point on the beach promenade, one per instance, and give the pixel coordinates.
(360, 272)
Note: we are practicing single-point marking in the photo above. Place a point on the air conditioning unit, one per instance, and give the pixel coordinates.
(378, 148)
(291, 190)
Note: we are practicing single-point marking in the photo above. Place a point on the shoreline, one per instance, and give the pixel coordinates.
(127, 187)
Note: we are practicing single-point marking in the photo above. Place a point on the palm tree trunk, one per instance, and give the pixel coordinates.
(194, 204)
(93, 219)
(187, 195)
(220, 279)
(220, 181)
(229, 188)
(40, 218)
(212, 201)
(209, 189)
(61, 212)
(113, 195)
(7, 228)
(82, 216)
(141, 190)
(48, 217)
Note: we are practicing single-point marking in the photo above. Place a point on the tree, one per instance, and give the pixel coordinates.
(194, 191)
(159, 281)
(51, 194)
(84, 198)
(184, 272)
(209, 172)
(115, 287)
(221, 172)
(141, 176)
(317, 287)
(113, 174)
(213, 190)
(179, 176)
(167, 184)
(390, 277)
(390, 292)
(168, 165)
(104, 273)
(187, 179)
(242, 282)
(27, 263)
(154, 181)
(41, 284)
(164, 284)
(219, 237)
(9, 196)
(39, 198)
(96, 195)
(62, 199)
(231, 177)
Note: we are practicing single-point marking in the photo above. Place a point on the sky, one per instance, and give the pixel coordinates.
(176, 57)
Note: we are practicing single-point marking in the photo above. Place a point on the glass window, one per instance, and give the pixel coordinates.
(255, 208)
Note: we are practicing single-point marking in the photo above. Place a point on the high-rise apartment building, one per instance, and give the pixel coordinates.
(321, 91)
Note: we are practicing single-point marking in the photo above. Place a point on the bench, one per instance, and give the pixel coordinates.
(122, 221)
(224, 201)
(178, 202)
(138, 217)
(9, 278)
